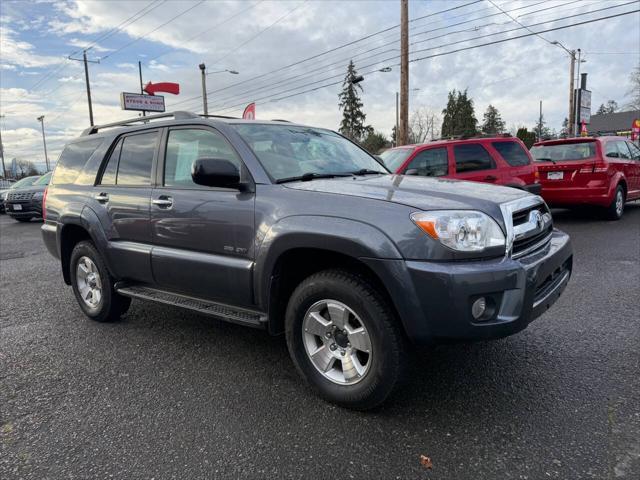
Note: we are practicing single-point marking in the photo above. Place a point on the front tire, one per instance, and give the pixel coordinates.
(344, 339)
(616, 208)
(93, 285)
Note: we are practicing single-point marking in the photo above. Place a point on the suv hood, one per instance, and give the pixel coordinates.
(32, 188)
(419, 192)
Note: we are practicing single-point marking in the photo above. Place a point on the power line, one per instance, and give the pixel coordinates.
(273, 100)
(273, 85)
(339, 47)
(520, 23)
(152, 31)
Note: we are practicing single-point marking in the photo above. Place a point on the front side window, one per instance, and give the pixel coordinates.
(184, 146)
(623, 150)
(289, 151)
(431, 163)
(472, 157)
(635, 151)
(513, 153)
(73, 159)
(136, 159)
(395, 157)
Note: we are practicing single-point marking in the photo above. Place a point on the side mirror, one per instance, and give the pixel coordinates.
(215, 172)
(411, 171)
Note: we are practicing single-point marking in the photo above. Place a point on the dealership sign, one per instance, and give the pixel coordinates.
(136, 101)
(585, 106)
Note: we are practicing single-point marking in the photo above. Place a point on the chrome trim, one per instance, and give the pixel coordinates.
(508, 209)
(533, 247)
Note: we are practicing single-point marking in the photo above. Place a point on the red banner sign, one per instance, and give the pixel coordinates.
(167, 87)
(249, 112)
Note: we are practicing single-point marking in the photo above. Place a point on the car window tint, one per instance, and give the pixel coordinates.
(109, 174)
(635, 151)
(623, 150)
(185, 146)
(73, 159)
(513, 153)
(136, 159)
(472, 157)
(431, 163)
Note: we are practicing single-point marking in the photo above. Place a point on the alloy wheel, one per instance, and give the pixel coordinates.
(89, 282)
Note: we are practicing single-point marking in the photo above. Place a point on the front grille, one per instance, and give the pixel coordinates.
(19, 196)
(549, 284)
(531, 237)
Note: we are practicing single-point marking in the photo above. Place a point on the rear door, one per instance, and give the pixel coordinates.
(635, 181)
(473, 162)
(569, 164)
(203, 236)
(518, 169)
(122, 199)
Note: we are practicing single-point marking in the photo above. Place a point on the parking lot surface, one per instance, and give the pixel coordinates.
(165, 393)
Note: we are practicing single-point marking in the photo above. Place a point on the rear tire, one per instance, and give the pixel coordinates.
(345, 340)
(93, 285)
(616, 208)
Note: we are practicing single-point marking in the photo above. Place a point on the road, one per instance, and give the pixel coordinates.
(169, 394)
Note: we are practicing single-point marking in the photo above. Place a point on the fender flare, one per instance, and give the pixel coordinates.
(348, 237)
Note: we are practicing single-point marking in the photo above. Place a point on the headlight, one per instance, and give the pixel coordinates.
(38, 196)
(462, 230)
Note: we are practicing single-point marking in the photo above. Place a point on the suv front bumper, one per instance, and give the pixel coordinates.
(24, 209)
(442, 293)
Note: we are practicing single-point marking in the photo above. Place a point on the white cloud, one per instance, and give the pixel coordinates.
(22, 54)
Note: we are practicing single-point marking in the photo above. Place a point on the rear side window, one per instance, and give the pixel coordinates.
(109, 174)
(73, 159)
(513, 153)
(635, 151)
(472, 157)
(431, 163)
(136, 159)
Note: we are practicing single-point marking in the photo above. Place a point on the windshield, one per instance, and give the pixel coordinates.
(395, 157)
(564, 151)
(44, 179)
(290, 151)
(25, 182)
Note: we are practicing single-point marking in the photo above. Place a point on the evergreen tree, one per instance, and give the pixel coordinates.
(374, 142)
(610, 107)
(527, 137)
(564, 131)
(459, 118)
(353, 118)
(492, 122)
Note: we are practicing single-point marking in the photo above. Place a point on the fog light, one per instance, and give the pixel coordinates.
(478, 308)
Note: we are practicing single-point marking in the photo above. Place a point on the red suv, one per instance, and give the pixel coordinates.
(600, 171)
(503, 160)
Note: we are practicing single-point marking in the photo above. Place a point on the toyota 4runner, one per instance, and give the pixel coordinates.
(296, 230)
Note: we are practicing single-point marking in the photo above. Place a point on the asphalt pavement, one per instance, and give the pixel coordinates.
(167, 394)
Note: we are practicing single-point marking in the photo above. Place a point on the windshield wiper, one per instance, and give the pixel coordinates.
(305, 177)
(367, 171)
(545, 160)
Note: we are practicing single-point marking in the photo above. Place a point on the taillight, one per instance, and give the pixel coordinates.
(536, 176)
(44, 204)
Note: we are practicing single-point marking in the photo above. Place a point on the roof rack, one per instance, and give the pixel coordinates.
(478, 135)
(280, 120)
(215, 116)
(132, 121)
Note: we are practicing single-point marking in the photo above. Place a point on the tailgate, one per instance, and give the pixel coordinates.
(565, 174)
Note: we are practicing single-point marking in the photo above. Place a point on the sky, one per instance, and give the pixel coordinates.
(291, 56)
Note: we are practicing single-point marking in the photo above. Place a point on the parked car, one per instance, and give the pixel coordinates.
(500, 160)
(599, 171)
(296, 230)
(25, 203)
(24, 182)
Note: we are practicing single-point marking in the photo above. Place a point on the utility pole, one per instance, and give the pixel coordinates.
(203, 73)
(44, 142)
(576, 101)
(571, 119)
(141, 86)
(540, 123)
(397, 118)
(402, 134)
(86, 79)
(4, 169)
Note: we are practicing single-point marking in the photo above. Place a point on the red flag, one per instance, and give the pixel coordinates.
(168, 87)
(249, 112)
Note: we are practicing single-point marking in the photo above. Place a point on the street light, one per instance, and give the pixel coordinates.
(204, 73)
(44, 142)
(573, 108)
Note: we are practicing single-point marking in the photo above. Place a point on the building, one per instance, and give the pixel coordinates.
(618, 123)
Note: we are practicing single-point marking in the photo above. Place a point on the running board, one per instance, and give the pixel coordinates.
(206, 307)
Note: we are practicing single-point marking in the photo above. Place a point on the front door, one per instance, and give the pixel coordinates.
(121, 201)
(475, 164)
(203, 237)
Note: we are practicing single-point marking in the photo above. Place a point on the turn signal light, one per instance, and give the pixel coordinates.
(429, 227)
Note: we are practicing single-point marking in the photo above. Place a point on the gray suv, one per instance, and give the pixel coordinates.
(296, 230)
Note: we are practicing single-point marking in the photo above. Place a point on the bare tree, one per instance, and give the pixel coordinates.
(26, 168)
(634, 91)
(422, 125)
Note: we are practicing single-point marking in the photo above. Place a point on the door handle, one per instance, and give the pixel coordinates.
(490, 178)
(163, 201)
(102, 197)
